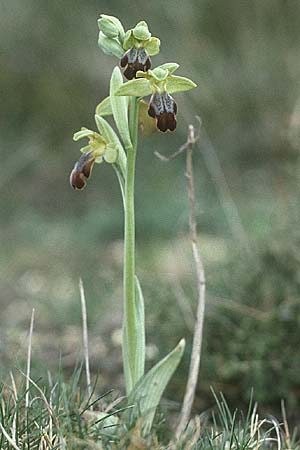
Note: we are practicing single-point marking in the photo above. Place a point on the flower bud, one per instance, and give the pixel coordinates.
(110, 26)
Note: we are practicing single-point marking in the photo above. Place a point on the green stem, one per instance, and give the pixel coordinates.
(130, 331)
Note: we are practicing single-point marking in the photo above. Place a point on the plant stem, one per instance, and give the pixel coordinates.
(130, 332)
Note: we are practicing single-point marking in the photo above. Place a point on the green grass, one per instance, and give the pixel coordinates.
(60, 415)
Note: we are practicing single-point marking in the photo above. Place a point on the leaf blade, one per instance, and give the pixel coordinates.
(104, 108)
(148, 391)
(119, 106)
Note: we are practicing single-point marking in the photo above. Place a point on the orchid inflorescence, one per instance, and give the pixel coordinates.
(134, 48)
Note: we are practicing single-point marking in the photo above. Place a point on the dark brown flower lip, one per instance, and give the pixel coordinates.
(133, 60)
(163, 108)
(82, 170)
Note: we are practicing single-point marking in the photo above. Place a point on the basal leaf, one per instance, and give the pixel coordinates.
(147, 393)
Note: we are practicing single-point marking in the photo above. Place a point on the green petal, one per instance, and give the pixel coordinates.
(152, 46)
(110, 46)
(128, 40)
(138, 88)
(171, 67)
(104, 108)
(86, 149)
(82, 134)
(179, 84)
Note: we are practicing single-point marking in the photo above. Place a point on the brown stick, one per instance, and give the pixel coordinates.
(198, 328)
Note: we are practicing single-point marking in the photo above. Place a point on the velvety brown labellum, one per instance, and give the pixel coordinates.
(82, 170)
(163, 108)
(133, 60)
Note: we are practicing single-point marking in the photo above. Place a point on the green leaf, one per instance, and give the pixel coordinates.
(148, 391)
(179, 84)
(171, 67)
(119, 106)
(104, 108)
(152, 46)
(138, 88)
(110, 46)
(139, 326)
(110, 136)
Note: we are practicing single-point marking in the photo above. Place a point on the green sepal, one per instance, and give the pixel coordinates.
(111, 26)
(104, 108)
(119, 106)
(148, 391)
(139, 87)
(82, 134)
(179, 84)
(110, 46)
(171, 67)
(159, 73)
(152, 46)
(141, 31)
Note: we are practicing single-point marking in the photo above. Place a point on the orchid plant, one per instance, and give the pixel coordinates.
(118, 147)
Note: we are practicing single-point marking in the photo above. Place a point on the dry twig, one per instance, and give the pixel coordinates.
(198, 329)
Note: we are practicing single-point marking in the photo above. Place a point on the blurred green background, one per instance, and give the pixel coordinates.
(245, 57)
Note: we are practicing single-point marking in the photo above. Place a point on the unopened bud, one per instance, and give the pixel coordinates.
(110, 26)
